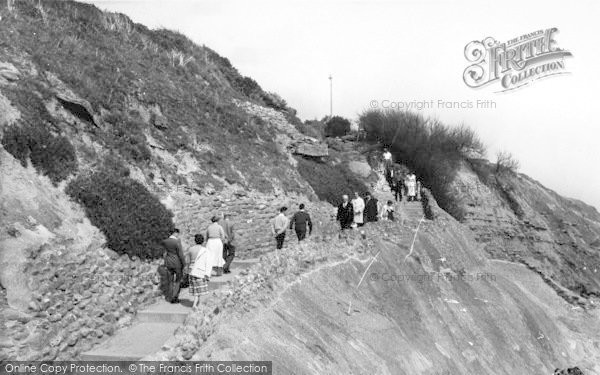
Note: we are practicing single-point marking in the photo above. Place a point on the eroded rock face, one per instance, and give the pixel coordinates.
(443, 309)
(8, 73)
(14, 254)
(520, 220)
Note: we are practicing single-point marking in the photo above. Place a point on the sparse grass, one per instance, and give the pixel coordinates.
(112, 62)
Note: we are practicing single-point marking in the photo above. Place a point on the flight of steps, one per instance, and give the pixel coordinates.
(409, 211)
(156, 324)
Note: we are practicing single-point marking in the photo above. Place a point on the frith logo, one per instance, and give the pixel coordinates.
(515, 63)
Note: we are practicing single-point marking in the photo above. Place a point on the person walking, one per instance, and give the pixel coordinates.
(387, 211)
(398, 186)
(174, 263)
(411, 187)
(228, 247)
(300, 222)
(279, 225)
(358, 205)
(345, 213)
(200, 269)
(418, 190)
(387, 159)
(215, 236)
(371, 208)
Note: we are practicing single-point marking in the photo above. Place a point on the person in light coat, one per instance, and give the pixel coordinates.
(358, 205)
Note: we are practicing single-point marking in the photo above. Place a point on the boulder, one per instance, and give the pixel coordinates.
(313, 149)
(361, 168)
(13, 260)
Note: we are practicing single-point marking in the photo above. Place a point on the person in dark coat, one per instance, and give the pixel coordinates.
(398, 186)
(345, 214)
(174, 263)
(301, 222)
(371, 208)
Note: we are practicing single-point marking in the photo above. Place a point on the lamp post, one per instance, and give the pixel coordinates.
(330, 96)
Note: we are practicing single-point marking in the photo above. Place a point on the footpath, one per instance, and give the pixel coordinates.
(157, 323)
(154, 326)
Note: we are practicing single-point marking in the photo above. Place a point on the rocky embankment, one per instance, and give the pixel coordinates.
(518, 219)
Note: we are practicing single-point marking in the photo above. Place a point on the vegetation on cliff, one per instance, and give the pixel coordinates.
(431, 149)
(132, 218)
(51, 155)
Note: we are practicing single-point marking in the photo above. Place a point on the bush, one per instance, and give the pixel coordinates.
(53, 156)
(337, 127)
(312, 128)
(330, 182)
(506, 163)
(132, 219)
(431, 149)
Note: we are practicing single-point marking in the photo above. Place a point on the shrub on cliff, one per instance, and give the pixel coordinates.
(337, 126)
(330, 182)
(51, 155)
(132, 219)
(431, 149)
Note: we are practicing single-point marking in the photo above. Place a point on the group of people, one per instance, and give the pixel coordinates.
(400, 183)
(358, 211)
(200, 262)
(300, 223)
(407, 185)
(204, 260)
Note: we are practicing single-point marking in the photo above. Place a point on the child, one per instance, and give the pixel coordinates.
(387, 212)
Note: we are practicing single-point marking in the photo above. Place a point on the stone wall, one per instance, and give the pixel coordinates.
(78, 299)
(251, 214)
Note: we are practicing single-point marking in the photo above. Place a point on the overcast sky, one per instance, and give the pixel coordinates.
(403, 51)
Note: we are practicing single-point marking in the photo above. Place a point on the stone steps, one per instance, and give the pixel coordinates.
(157, 323)
(133, 343)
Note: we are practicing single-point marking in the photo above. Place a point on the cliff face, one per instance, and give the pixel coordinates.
(516, 218)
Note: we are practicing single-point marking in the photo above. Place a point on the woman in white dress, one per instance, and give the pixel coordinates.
(215, 235)
(411, 187)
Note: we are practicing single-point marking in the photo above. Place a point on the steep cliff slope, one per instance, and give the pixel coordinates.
(518, 219)
(441, 308)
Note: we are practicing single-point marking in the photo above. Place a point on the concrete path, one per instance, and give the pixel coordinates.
(156, 324)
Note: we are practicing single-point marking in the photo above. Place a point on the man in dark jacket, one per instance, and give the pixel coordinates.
(345, 214)
(398, 185)
(301, 221)
(371, 208)
(174, 262)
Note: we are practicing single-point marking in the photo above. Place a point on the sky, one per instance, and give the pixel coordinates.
(386, 53)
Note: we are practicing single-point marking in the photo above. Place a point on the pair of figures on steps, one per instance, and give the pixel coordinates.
(200, 261)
